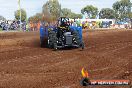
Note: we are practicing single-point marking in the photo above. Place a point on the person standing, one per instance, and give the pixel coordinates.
(74, 24)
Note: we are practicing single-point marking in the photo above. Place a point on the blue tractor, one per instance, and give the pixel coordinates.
(61, 36)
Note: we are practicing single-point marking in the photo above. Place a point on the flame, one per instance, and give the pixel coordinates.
(84, 73)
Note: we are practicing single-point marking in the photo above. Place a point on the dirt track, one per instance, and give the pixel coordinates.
(23, 64)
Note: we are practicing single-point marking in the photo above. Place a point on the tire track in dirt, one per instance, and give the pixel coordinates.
(109, 44)
(13, 49)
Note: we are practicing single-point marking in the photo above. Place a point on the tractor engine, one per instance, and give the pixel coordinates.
(68, 37)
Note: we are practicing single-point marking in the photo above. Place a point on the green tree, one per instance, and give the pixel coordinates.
(35, 18)
(38, 16)
(52, 8)
(116, 6)
(130, 15)
(79, 16)
(2, 18)
(46, 13)
(74, 15)
(106, 13)
(122, 8)
(66, 12)
(23, 15)
(30, 19)
(90, 10)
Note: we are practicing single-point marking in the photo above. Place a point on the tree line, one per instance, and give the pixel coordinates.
(2, 18)
(52, 9)
(120, 10)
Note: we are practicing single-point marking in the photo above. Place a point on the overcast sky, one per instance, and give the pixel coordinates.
(7, 7)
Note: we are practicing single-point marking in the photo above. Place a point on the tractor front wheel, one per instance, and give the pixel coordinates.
(76, 37)
(51, 39)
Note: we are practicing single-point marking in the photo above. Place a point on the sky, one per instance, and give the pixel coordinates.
(8, 7)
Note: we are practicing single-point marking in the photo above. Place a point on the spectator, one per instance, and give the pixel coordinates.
(74, 24)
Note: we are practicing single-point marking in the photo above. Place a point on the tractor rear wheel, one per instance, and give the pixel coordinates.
(52, 39)
(76, 37)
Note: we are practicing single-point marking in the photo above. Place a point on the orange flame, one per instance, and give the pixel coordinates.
(84, 73)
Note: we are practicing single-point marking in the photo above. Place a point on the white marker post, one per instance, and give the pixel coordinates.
(20, 12)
